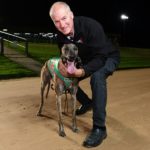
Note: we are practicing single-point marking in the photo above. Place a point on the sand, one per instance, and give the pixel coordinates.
(128, 115)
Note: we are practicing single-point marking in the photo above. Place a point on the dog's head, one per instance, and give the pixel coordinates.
(70, 57)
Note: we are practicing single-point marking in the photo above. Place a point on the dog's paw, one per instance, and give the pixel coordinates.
(62, 133)
(39, 114)
(75, 130)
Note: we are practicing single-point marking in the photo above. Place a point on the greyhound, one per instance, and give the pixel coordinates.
(50, 73)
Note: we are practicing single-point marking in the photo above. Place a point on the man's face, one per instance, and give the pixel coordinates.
(63, 21)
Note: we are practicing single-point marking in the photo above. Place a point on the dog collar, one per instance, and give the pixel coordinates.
(53, 68)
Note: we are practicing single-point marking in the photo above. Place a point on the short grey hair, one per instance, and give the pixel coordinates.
(63, 4)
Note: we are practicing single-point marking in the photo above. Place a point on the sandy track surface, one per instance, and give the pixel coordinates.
(128, 115)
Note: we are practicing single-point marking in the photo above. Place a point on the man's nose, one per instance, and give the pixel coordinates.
(62, 24)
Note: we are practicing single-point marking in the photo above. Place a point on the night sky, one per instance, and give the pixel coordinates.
(33, 16)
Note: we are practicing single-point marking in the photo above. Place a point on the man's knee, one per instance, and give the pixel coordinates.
(98, 76)
(102, 74)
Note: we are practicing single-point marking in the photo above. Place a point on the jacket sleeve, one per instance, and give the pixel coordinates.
(100, 47)
(94, 64)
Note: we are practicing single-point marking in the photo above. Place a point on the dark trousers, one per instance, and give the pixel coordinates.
(99, 92)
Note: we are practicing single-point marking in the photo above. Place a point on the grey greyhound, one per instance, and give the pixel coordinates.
(50, 73)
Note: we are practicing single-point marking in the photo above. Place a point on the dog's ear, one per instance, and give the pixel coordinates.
(78, 62)
(63, 49)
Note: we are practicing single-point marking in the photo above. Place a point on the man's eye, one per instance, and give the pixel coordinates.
(64, 18)
(56, 22)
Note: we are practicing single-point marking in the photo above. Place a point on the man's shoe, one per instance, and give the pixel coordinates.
(83, 109)
(95, 138)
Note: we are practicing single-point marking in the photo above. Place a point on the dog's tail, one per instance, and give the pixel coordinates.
(45, 79)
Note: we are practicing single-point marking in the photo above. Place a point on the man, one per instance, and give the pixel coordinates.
(100, 59)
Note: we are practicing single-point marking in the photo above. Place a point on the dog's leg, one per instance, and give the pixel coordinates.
(74, 123)
(45, 81)
(60, 123)
(42, 100)
(48, 87)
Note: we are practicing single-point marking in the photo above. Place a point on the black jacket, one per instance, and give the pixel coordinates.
(94, 47)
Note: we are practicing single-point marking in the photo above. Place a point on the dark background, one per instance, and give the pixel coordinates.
(33, 16)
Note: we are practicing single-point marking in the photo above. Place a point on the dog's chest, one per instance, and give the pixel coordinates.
(53, 68)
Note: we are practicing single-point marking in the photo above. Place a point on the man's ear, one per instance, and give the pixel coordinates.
(71, 14)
